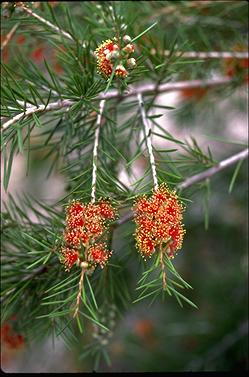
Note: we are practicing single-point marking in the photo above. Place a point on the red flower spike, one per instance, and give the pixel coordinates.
(75, 208)
(109, 52)
(84, 225)
(75, 221)
(161, 232)
(91, 211)
(160, 197)
(145, 223)
(158, 221)
(176, 233)
(104, 65)
(145, 244)
(99, 254)
(74, 237)
(70, 257)
(75, 215)
(142, 205)
(106, 211)
(95, 228)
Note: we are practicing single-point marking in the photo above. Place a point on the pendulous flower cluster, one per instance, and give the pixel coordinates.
(158, 221)
(111, 53)
(85, 233)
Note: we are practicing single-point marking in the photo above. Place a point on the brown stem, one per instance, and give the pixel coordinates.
(79, 293)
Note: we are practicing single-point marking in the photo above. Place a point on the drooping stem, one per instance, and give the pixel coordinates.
(79, 292)
(147, 129)
(95, 150)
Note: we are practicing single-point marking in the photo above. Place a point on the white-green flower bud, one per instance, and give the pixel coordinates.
(112, 55)
(84, 265)
(131, 63)
(127, 39)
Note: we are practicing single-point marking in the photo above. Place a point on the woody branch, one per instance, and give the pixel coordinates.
(34, 109)
(206, 55)
(140, 89)
(215, 169)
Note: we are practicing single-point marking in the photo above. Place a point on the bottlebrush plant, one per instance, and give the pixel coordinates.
(83, 101)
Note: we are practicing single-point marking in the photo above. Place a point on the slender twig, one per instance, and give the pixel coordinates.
(147, 130)
(34, 109)
(215, 169)
(95, 150)
(9, 36)
(197, 178)
(48, 23)
(79, 293)
(141, 89)
(207, 55)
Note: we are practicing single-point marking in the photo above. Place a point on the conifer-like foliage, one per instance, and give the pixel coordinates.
(87, 105)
